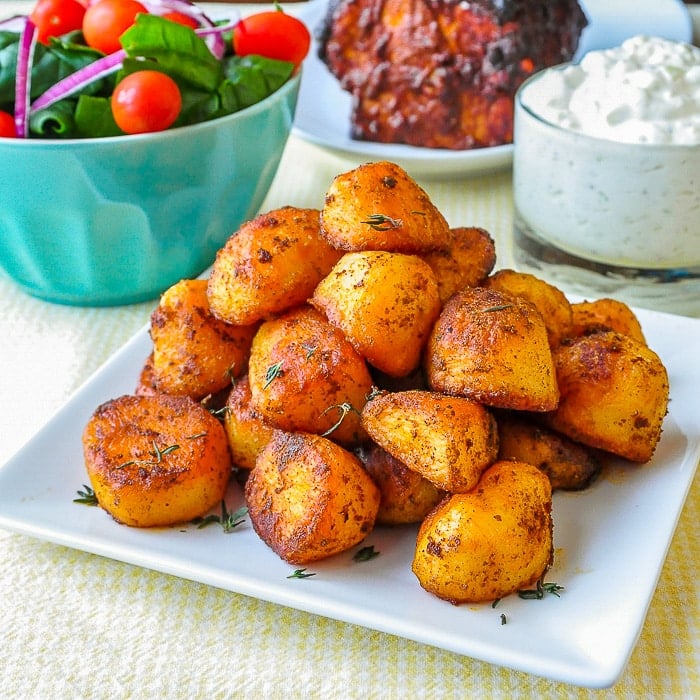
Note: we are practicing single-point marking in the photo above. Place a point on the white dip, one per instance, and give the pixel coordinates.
(607, 156)
(645, 91)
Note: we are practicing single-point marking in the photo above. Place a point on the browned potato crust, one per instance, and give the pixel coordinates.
(385, 304)
(493, 348)
(309, 498)
(569, 465)
(605, 315)
(449, 440)
(490, 542)
(247, 431)
(271, 264)
(305, 376)
(194, 353)
(466, 262)
(548, 299)
(614, 394)
(378, 206)
(406, 496)
(156, 460)
(146, 383)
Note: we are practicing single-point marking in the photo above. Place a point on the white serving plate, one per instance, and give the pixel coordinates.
(610, 541)
(323, 109)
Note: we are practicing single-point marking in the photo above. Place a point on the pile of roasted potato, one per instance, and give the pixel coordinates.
(367, 367)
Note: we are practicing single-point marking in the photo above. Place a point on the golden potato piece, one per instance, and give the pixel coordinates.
(605, 315)
(614, 394)
(146, 383)
(378, 206)
(156, 460)
(466, 262)
(194, 353)
(385, 304)
(548, 299)
(406, 496)
(491, 542)
(569, 465)
(271, 264)
(305, 376)
(493, 348)
(309, 498)
(449, 440)
(247, 431)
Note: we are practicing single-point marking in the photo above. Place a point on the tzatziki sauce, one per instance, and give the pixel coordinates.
(646, 90)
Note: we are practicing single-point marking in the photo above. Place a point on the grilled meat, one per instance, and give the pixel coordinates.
(442, 73)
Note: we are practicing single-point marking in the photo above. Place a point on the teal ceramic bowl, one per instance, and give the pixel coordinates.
(101, 222)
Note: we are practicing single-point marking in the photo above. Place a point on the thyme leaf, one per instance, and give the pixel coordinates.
(157, 454)
(504, 620)
(300, 573)
(381, 222)
(365, 554)
(310, 350)
(541, 590)
(273, 371)
(499, 307)
(86, 497)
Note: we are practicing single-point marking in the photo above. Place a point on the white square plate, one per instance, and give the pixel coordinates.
(614, 532)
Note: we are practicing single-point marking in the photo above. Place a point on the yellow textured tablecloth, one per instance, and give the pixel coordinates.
(76, 625)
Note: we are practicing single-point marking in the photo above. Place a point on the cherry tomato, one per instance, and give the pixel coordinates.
(7, 125)
(145, 101)
(182, 18)
(273, 34)
(106, 20)
(56, 17)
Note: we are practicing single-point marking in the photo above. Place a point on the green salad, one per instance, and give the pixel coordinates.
(64, 88)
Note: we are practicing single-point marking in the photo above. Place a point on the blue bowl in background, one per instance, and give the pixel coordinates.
(101, 222)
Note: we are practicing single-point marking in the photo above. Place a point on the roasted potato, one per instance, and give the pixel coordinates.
(569, 465)
(271, 264)
(492, 347)
(466, 262)
(378, 206)
(146, 383)
(406, 496)
(614, 394)
(309, 498)
(156, 460)
(194, 353)
(247, 431)
(449, 440)
(548, 299)
(490, 542)
(305, 376)
(605, 315)
(385, 304)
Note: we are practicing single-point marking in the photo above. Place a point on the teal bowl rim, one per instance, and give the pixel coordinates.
(154, 136)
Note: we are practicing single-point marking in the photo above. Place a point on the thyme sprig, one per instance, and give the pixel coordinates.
(300, 573)
(541, 590)
(157, 454)
(86, 497)
(228, 520)
(381, 222)
(344, 409)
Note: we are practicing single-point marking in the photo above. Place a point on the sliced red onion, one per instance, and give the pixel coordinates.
(213, 38)
(78, 80)
(23, 76)
(13, 24)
